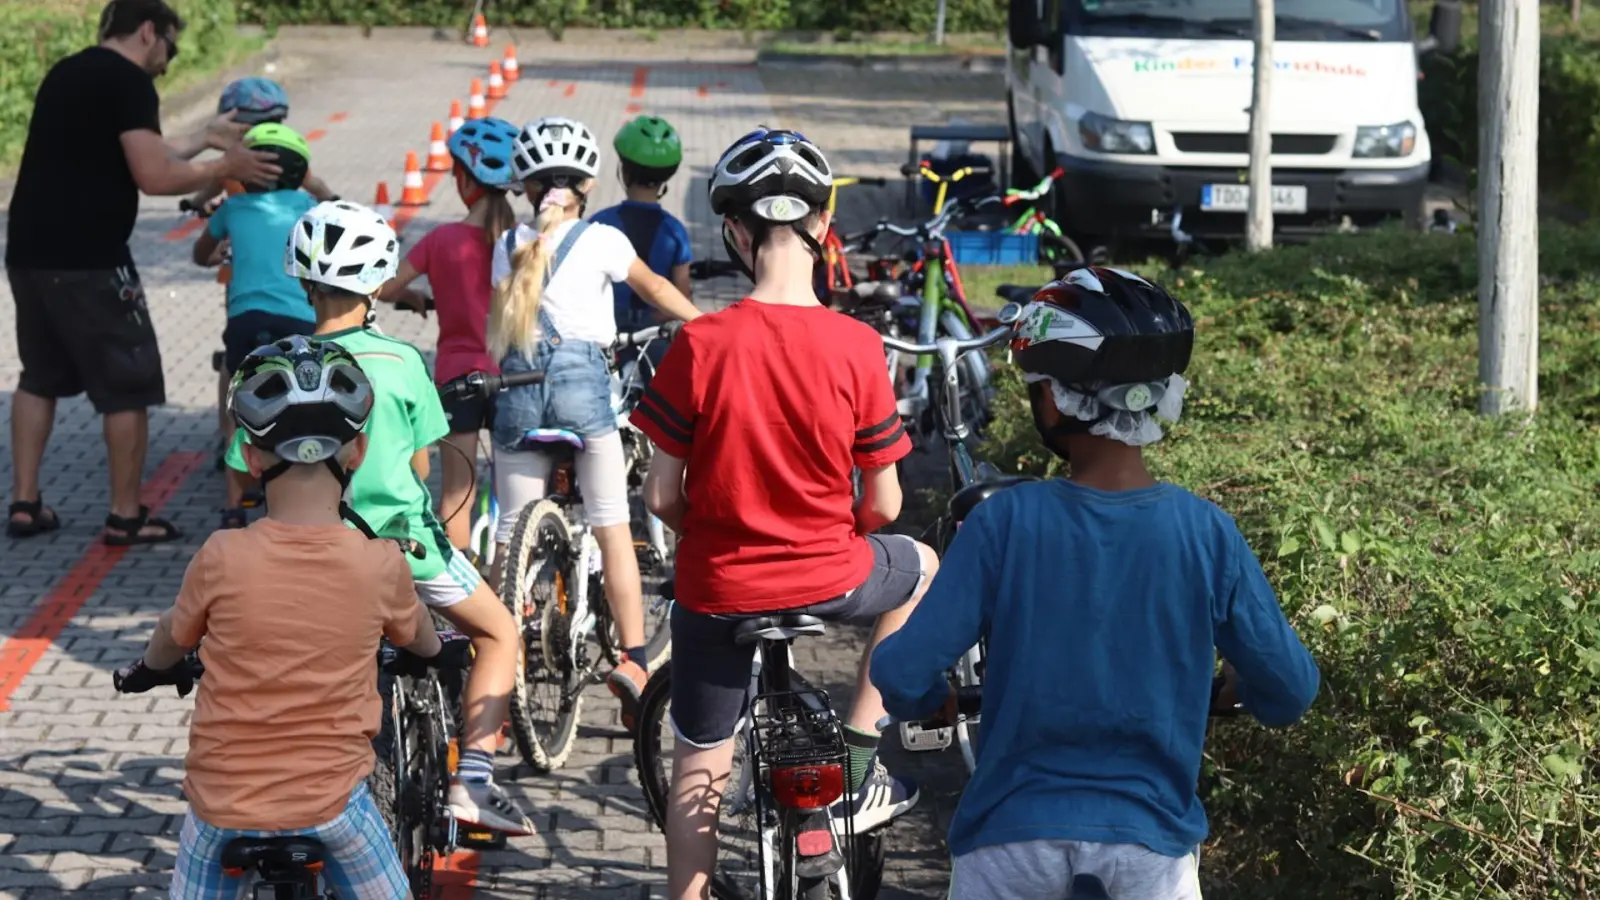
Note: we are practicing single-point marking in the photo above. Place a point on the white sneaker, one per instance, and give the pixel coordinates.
(882, 799)
(486, 805)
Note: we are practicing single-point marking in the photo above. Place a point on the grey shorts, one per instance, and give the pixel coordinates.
(711, 674)
(87, 332)
(1046, 870)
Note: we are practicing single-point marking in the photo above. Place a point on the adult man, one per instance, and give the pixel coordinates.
(94, 143)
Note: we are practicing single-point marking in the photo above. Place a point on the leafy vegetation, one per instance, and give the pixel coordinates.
(34, 36)
(1442, 567)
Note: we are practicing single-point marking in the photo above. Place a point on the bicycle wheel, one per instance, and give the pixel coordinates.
(738, 870)
(547, 696)
(1058, 249)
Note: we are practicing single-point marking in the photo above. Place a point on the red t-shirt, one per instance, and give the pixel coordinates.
(772, 406)
(456, 259)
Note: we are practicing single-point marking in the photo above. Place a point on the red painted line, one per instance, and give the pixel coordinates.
(185, 229)
(633, 109)
(456, 875)
(24, 649)
(553, 83)
(316, 134)
(703, 90)
(571, 89)
(338, 117)
(641, 77)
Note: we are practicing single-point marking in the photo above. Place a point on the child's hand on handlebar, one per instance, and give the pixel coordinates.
(138, 678)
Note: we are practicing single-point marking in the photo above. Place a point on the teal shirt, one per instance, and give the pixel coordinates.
(406, 417)
(259, 226)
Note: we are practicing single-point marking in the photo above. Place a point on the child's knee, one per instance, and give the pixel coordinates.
(930, 564)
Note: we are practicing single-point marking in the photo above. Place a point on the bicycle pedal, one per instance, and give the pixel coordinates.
(917, 739)
(481, 839)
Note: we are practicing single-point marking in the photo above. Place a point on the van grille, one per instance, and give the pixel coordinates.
(1283, 144)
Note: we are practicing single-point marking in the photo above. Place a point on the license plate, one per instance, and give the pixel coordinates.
(1286, 198)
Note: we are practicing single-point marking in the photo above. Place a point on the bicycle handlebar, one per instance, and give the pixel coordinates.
(923, 170)
(1015, 196)
(667, 330)
(701, 270)
(985, 340)
(482, 384)
(848, 180)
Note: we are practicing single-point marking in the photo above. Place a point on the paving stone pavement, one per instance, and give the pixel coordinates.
(89, 781)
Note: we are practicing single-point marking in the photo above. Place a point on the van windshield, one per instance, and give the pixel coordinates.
(1297, 20)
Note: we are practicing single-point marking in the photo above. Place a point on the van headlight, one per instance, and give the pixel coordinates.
(1374, 141)
(1109, 135)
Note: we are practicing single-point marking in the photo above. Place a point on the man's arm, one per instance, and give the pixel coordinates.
(663, 489)
(1278, 679)
(909, 666)
(160, 172)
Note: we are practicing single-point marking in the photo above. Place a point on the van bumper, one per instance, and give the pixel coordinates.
(1104, 198)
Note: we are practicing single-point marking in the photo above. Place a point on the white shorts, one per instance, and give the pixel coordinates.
(455, 584)
(1044, 870)
(521, 478)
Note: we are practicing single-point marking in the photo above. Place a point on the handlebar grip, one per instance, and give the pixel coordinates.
(873, 182)
(911, 170)
(713, 268)
(513, 379)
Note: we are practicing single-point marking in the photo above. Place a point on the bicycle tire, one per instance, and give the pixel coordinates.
(1058, 249)
(543, 731)
(651, 764)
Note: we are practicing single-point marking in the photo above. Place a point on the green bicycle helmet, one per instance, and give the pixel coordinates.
(292, 150)
(649, 149)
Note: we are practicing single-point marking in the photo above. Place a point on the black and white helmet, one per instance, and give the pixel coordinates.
(301, 399)
(778, 176)
(343, 245)
(556, 146)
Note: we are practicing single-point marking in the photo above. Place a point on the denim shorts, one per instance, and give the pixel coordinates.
(575, 394)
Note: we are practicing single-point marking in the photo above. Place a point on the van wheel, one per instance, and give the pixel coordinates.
(1022, 172)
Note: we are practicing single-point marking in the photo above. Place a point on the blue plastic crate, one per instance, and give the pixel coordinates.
(993, 248)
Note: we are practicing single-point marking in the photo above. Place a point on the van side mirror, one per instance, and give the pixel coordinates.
(1026, 24)
(1444, 28)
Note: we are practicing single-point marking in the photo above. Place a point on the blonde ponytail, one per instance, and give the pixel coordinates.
(515, 313)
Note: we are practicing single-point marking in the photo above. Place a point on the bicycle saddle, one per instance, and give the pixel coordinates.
(542, 438)
(966, 499)
(279, 853)
(779, 627)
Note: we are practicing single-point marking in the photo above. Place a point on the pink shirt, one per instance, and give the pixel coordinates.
(456, 259)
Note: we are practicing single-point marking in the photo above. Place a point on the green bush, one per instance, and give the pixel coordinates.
(1442, 568)
(1569, 113)
(33, 37)
(826, 15)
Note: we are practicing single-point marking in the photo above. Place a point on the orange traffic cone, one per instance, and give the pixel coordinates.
(475, 108)
(509, 66)
(411, 192)
(380, 203)
(455, 116)
(497, 84)
(438, 153)
(480, 31)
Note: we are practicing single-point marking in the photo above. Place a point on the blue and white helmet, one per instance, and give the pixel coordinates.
(255, 100)
(777, 175)
(485, 148)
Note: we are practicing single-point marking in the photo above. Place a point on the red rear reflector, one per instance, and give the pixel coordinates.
(814, 843)
(808, 787)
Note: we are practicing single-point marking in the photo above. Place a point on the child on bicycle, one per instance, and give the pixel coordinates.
(343, 253)
(253, 101)
(291, 610)
(553, 312)
(648, 155)
(456, 259)
(1104, 598)
(759, 414)
(264, 303)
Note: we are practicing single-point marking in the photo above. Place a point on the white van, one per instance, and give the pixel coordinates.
(1145, 105)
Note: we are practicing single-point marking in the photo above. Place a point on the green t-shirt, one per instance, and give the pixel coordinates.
(406, 417)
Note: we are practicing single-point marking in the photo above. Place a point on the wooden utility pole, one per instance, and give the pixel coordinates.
(938, 24)
(1508, 204)
(1575, 10)
(1258, 228)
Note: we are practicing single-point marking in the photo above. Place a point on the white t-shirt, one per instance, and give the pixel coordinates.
(578, 298)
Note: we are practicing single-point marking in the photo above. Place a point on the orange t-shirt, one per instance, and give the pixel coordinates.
(286, 712)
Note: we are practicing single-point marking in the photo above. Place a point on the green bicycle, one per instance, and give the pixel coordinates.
(1055, 248)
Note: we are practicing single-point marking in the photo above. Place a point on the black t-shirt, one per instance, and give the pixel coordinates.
(75, 200)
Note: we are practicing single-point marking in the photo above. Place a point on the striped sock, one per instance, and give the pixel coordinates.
(860, 748)
(476, 765)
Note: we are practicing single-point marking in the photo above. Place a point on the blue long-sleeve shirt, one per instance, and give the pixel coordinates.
(1103, 613)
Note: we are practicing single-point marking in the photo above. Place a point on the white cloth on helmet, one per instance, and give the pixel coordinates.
(1134, 428)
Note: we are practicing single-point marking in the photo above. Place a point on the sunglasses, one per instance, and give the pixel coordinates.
(172, 46)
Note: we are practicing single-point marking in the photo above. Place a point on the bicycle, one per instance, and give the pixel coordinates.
(836, 267)
(410, 780)
(552, 581)
(789, 770)
(1054, 246)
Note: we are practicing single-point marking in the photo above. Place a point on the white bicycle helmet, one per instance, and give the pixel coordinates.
(556, 147)
(343, 245)
(778, 176)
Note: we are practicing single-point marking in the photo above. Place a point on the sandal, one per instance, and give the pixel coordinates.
(132, 528)
(41, 519)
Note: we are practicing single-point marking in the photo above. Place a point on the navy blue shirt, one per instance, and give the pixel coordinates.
(659, 239)
(1103, 613)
